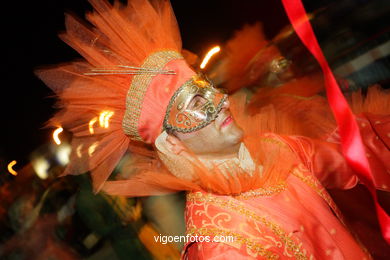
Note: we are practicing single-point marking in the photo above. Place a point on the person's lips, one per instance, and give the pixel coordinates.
(228, 120)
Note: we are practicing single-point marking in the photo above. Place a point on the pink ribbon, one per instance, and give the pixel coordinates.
(351, 143)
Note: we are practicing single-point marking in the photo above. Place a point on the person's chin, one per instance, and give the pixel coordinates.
(235, 135)
(234, 129)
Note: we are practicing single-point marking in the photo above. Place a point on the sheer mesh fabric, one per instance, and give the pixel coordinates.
(116, 34)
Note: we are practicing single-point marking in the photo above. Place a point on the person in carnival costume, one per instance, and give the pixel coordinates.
(242, 179)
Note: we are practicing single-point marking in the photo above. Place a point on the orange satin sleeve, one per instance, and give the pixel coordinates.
(375, 131)
(214, 251)
(330, 167)
(324, 160)
(327, 163)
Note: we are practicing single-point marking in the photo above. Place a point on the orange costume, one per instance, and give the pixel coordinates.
(292, 215)
(269, 198)
(296, 219)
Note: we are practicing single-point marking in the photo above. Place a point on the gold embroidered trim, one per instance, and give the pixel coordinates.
(262, 192)
(238, 239)
(291, 245)
(137, 90)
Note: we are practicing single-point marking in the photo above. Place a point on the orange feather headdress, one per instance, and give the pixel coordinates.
(119, 93)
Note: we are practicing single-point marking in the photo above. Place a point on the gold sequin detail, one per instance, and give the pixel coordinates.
(239, 208)
(238, 239)
(262, 192)
(137, 90)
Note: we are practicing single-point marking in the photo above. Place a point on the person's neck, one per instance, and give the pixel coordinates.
(221, 155)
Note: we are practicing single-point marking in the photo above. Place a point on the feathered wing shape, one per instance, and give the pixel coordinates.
(247, 44)
(117, 35)
(376, 101)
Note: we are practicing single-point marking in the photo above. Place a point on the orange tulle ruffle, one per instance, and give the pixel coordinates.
(116, 34)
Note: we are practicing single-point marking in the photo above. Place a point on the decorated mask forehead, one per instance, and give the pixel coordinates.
(193, 106)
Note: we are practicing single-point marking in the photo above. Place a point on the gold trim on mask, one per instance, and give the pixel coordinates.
(138, 87)
(179, 118)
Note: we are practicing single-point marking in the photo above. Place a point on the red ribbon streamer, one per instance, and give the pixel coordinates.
(351, 143)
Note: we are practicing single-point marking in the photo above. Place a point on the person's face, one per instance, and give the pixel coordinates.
(193, 106)
(199, 116)
(221, 136)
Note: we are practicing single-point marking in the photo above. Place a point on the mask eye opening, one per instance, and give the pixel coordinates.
(196, 102)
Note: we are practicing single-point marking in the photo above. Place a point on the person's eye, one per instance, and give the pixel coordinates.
(197, 102)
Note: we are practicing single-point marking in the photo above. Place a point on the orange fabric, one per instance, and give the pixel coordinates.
(292, 116)
(126, 35)
(296, 223)
(301, 210)
(303, 87)
(376, 101)
(331, 165)
(351, 140)
(151, 178)
(120, 35)
(375, 130)
(214, 251)
(309, 115)
(247, 57)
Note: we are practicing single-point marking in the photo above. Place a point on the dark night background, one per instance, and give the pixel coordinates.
(29, 31)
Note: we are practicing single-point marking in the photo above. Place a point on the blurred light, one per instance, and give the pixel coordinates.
(12, 171)
(92, 148)
(104, 118)
(41, 167)
(101, 118)
(78, 150)
(55, 135)
(63, 153)
(91, 123)
(211, 52)
(107, 119)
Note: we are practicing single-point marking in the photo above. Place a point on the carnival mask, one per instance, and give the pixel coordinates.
(193, 106)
